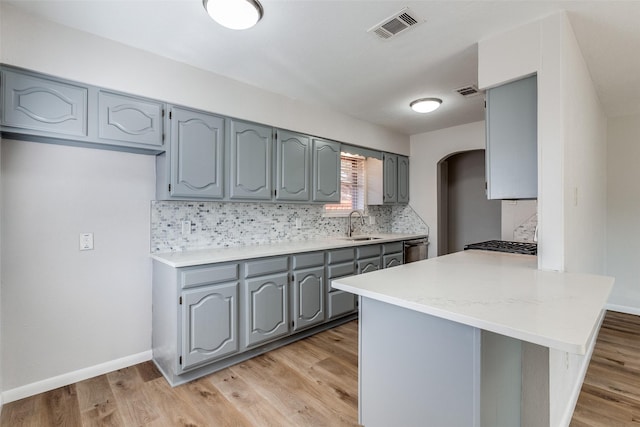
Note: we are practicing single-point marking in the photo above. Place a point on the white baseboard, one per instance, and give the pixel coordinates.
(73, 377)
(623, 309)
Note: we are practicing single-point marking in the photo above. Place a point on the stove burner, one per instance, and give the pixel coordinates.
(525, 248)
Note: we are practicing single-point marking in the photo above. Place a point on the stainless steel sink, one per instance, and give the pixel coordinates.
(360, 238)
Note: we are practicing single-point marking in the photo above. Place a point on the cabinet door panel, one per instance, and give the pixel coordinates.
(266, 303)
(251, 161)
(308, 297)
(392, 260)
(341, 303)
(403, 179)
(390, 178)
(326, 171)
(129, 119)
(209, 323)
(43, 104)
(197, 141)
(367, 265)
(512, 140)
(293, 166)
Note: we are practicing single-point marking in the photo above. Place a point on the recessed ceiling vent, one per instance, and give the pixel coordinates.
(395, 24)
(468, 91)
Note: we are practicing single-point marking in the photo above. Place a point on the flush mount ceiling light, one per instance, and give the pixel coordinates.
(234, 14)
(425, 105)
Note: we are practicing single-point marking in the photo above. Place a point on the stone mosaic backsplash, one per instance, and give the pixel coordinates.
(220, 224)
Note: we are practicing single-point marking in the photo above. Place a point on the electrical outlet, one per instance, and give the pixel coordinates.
(372, 220)
(86, 241)
(298, 222)
(186, 227)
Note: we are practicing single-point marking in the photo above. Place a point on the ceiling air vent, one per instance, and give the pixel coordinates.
(395, 24)
(468, 91)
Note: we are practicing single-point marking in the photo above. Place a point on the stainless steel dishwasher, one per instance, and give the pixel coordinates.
(415, 250)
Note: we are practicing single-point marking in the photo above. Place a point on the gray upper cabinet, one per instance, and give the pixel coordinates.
(43, 108)
(326, 171)
(512, 153)
(129, 119)
(209, 324)
(45, 105)
(308, 293)
(293, 166)
(403, 179)
(196, 154)
(250, 169)
(390, 178)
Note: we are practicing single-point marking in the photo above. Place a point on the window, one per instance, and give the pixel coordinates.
(352, 185)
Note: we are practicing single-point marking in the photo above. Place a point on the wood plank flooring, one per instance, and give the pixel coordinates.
(610, 395)
(312, 382)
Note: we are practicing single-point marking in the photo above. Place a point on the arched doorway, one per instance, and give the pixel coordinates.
(464, 213)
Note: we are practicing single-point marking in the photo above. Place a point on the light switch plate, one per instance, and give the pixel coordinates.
(186, 227)
(86, 241)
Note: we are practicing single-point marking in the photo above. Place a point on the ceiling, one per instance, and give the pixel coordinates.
(319, 51)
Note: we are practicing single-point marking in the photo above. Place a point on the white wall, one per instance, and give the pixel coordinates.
(62, 309)
(427, 149)
(623, 212)
(47, 47)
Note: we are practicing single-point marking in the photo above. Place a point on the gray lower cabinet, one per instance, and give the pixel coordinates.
(266, 300)
(368, 265)
(293, 166)
(196, 155)
(392, 254)
(512, 140)
(392, 260)
(31, 102)
(308, 297)
(340, 263)
(209, 323)
(211, 316)
(130, 119)
(403, 179)
(250, 167)
(326, 171)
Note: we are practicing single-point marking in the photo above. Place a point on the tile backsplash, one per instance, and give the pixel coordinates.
(220, 224)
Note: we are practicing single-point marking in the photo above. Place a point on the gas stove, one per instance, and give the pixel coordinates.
(526, 248)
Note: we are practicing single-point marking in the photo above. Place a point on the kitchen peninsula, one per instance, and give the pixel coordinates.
(431, 334)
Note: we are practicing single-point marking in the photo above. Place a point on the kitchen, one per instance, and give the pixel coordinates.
(116, 210)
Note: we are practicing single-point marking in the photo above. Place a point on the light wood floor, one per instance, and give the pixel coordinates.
(312, 382)
(610, 395)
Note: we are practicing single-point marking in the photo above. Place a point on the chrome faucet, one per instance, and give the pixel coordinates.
(349, 225)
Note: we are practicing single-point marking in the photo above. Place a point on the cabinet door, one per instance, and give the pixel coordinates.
(403, 179)
(129, 119)
(196, 154)
(308, 293)
(512, 140)
(251, 161)
(326, 171)
(43, 104)
(341, 303)
(392, 260)
(390, 178)
(369, 264)
(209, 323)
(266, 308)
(293, 164)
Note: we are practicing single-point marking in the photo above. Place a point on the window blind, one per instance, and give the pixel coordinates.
(352, 185)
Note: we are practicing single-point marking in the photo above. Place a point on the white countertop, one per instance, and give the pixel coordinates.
(497, 292)
(209, 256)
